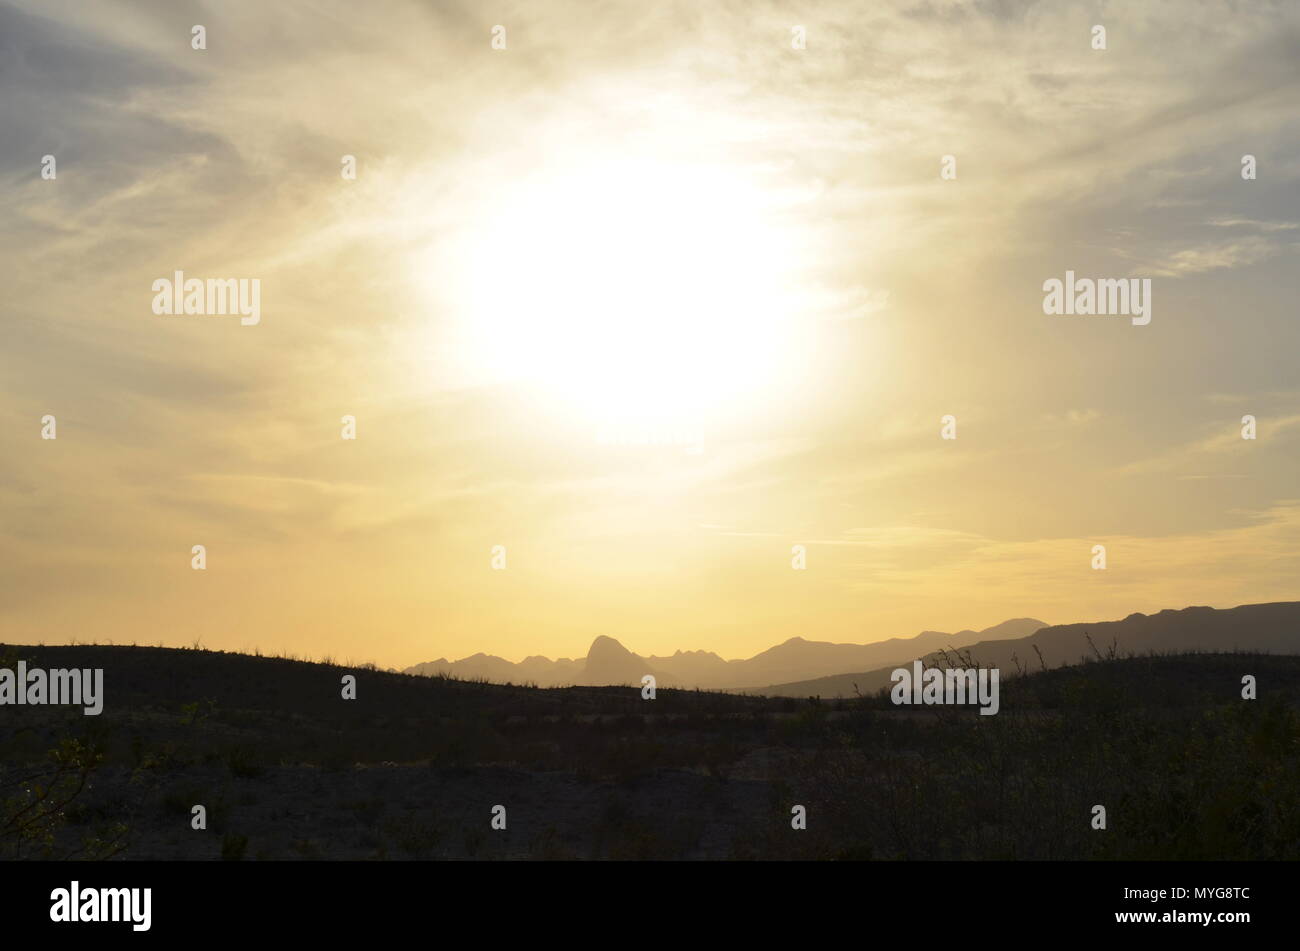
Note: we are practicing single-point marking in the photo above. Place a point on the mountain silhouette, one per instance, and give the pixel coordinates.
(1265, 628)
(608, 662)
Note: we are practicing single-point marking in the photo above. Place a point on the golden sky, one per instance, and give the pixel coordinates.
(641, 218)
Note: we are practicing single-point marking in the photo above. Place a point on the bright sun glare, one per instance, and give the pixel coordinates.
(632, 291)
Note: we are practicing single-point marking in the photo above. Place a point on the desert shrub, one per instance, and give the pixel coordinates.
(37, 802)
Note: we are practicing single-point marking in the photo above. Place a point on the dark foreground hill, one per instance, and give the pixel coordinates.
(413, 768)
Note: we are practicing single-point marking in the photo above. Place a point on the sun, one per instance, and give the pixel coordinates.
(635, 292)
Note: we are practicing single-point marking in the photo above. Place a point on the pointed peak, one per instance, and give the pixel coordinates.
(604, 644)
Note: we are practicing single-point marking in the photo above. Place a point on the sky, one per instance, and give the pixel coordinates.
(647, 297)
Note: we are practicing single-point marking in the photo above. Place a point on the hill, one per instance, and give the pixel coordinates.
(285, 768)
(1263, 628)
(609, 662)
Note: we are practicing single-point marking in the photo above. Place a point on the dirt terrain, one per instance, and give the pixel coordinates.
(413, 768)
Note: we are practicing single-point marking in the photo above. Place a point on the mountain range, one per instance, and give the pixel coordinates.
(799, 667)
(608, 662)
(1266, 628)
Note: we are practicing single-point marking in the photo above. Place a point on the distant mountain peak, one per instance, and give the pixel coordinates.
(607, 661)
(606, 644)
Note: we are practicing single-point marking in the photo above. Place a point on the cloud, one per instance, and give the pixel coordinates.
(1154, 572)
(1210, 256)
(918, 298)
(1224, 443)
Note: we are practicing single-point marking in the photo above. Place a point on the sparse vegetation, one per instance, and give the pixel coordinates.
(233, 847)
(1184, 766)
